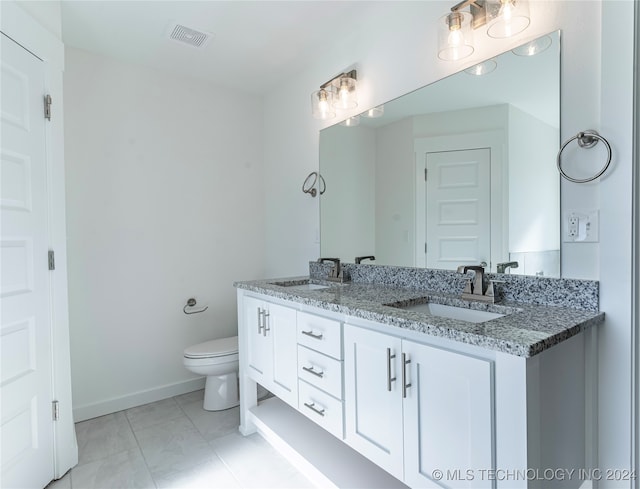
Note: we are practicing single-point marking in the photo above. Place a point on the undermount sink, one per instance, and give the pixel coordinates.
(300, 285)
(453, 312)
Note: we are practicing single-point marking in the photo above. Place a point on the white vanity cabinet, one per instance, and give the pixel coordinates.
(413, 409)
(271, 354)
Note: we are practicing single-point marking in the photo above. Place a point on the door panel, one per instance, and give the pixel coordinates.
(259, 350)
(282, 321)
(448, 418)
(458, 208)
(25, 335)
(368, 400)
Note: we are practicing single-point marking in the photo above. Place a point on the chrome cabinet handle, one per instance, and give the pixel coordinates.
(260, 313)
(405, 386)
(389, 379)
(313, 407)
(265, 328)
(312, 371)
(314, 336)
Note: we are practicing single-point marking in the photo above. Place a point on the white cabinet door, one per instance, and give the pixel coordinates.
(281, 328)
(447, 418)
(373, 397)
(259, 352)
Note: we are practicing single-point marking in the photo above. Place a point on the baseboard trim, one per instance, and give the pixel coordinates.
(108, 406)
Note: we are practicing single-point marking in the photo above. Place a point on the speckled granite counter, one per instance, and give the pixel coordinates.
(526, 329)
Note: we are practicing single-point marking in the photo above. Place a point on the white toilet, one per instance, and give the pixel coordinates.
(218, 360)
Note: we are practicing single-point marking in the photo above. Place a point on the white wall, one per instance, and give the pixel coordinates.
(394, 50)
(164, 202)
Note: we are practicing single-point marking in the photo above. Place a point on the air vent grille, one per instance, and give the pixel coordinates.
(189, 36)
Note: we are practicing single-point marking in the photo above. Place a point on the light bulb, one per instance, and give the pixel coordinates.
(455, 38)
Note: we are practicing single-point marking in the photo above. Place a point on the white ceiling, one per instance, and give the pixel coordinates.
(256, 44)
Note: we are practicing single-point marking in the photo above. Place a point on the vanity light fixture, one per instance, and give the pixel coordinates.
(338, 93)
(502, 18)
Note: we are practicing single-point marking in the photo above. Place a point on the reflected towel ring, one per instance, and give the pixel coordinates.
(311, 189)
(586, 139)
(190, 303)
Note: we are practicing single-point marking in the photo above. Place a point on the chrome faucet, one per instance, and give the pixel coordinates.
(336, 274)
(502, 267)
(360, 258)
(474, 290)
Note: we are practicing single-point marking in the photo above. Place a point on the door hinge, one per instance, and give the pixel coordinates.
(56, 410)
(425, 248)
(52, 260)
(47, 107)
(425, 174)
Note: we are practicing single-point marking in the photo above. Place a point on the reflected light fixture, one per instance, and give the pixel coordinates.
(503, 18)
(534, 47)
(374, 112)
(351, 121)
(338, 93)
(482, 68)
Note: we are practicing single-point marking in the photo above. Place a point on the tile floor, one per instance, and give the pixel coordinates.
(174, 443)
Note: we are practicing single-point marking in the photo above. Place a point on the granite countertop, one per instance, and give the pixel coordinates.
(525, 330)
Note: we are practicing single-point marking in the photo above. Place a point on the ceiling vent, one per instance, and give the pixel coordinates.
(189, 36)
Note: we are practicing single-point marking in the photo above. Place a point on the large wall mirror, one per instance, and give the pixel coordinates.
(460, 172)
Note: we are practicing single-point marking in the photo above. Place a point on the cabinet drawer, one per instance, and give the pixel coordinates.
(321, 334)
(320, 371)
(320, 407)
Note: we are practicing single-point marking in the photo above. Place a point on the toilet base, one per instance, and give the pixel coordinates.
(221, 392)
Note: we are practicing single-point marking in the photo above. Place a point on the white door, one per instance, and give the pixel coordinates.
(458, 208)
(282, 329)
(25, 335)
(373, 397)
(448, 420)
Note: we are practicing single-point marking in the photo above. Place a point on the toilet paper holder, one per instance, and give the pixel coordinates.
(191, 302)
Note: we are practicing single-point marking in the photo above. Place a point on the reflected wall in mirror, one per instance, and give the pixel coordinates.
(459, 172)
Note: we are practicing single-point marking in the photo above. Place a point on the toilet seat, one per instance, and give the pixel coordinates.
(214, 348)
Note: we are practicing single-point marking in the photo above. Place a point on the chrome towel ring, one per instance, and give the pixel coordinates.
(311, 188)
(190, 303)
(586, 139)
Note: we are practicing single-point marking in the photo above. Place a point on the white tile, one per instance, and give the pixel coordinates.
(173, 447)
(256, 464)
(100, 437)
(213, 474)
(212, 424)
(190, 397)
(155, 413)
(122, 470)
(63, 483)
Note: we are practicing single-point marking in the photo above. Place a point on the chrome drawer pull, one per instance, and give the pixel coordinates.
(312, 371)
(260, 313)
(313, 407)
(314, 336)
(389, 379)
(405, 386)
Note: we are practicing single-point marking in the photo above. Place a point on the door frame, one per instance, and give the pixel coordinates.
(494, 140)
(18, 25)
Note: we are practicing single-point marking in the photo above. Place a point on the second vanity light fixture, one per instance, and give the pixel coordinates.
(338, 93)
(502, 18)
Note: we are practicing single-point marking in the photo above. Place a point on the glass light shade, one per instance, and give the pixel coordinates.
(374, 112)
(482, 68)
(322, 105)
(506, 18)
(345, 96)
(351, 121)
(455, 36)
(534, 47)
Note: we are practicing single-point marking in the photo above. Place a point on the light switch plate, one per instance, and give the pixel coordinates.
(581, 226)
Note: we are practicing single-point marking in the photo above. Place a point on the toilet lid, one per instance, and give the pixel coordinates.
(213, 348)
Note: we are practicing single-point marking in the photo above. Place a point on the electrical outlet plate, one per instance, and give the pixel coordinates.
(581, 226)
